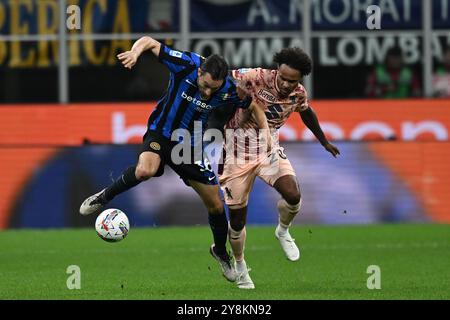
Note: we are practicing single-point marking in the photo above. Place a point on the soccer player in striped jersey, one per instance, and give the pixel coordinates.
(197, 86)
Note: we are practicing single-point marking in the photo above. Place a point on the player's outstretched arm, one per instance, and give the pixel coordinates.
(129, 58)
(309, 118)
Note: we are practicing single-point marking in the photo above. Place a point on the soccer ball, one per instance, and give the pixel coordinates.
(112, 225)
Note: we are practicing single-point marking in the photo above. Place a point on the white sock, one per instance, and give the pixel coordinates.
(286, 213)
(282, 229)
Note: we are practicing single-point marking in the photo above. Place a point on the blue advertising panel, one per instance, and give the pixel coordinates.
(135, 16)
(265, 15)
(356, 188)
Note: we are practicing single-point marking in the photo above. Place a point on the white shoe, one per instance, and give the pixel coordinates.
(243, 280)
(92, 204)
(228, 270)
(288, 244)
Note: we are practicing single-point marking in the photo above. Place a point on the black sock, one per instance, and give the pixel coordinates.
(219, 228)
(126, 181)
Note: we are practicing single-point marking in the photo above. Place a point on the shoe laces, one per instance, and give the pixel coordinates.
(287, 237)
(242, 274)
(289, 240)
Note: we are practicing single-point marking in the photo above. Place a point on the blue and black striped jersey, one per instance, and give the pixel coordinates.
(181, 104)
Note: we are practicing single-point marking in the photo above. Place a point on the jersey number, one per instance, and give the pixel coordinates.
(273, 112)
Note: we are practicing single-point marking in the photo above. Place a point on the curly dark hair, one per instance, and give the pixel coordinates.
(295, 58)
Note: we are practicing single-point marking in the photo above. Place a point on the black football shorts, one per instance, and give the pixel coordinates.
(196, 169)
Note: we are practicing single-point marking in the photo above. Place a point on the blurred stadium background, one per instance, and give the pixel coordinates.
(71, 116)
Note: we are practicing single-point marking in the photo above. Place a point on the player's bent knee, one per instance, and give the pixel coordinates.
(215, 208)
(235, 234)
(144, 173)
(147, 166)
(237, 224)
(238, 217)
(293, 197)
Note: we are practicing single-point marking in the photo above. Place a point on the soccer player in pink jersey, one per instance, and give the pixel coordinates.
(279, 93)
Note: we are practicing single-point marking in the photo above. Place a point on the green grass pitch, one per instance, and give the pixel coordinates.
(174, 263)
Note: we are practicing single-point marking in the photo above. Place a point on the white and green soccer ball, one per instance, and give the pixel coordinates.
(112, 225)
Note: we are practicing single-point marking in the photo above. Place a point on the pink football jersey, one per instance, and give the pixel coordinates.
(261, 85)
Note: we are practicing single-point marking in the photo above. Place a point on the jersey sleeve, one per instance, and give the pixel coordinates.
(246, 81)
(237, 99)
(175, 60)
(243, 103)
(245, 78)
(303, 102)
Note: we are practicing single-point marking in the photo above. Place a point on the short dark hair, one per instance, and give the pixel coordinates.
(295, 58)
(216, 66)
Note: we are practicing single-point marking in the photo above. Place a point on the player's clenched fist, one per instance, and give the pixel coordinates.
(128, 58)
